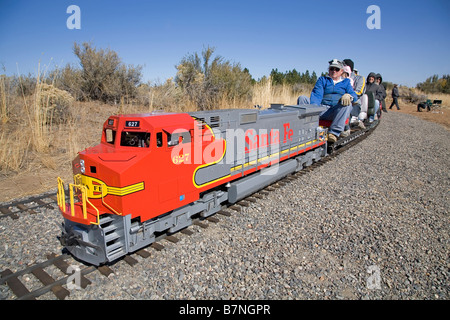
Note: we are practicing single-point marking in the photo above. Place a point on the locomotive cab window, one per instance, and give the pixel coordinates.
(175, 139)
(135, 139)
(159, 139)
(110, 136)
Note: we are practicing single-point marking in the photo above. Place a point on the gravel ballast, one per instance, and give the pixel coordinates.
(373, 223)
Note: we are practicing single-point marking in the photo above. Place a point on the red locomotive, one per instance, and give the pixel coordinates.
(153, 173)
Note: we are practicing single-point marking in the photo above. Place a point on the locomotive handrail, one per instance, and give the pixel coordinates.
(84, 202)
(78, 181)
(61, 195)
(98, 212)
(105, 204)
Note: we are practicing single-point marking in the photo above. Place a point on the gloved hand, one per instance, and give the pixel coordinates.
(346, 99)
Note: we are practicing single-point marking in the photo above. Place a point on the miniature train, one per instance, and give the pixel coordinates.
(154, 173)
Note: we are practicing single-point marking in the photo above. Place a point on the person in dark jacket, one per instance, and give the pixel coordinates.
(372, 86)
(383, 89)
(395, 96)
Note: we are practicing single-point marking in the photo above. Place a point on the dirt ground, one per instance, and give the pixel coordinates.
(440, 115)
(45, 179)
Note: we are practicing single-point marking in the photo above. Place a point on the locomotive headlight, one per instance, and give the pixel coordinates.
(82, 167)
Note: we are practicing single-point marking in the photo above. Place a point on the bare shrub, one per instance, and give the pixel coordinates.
(69, 79)
(411, 96)
(208, 81)
(103, 75)
(55, 103)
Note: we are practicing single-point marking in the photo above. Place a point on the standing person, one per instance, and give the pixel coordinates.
(395, 96)
(337, 94)
(373, 87)
(383, 89)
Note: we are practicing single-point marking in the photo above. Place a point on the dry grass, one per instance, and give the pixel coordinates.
(15, 145)
(264, 93)
(3, 103)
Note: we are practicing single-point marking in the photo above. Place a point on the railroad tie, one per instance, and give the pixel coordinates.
(25, 208)
(60, 292)
(105, 270)
(224, 213)
(143, 253)
(236, 208)
(187, 232)
(157, 246)
(42, 203)
(200, 224)
(172, 239)
(130, 260)
(17, 287)
(213, 219)
(8, 212)
(64, 266)
(243, 203)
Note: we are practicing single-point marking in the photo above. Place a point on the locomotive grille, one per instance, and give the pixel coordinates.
(215, 121)
(248, 118)
(201, 123)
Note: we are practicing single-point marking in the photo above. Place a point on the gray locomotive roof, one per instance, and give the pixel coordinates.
(212, 117)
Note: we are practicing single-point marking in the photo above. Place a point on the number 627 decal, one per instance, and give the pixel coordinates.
(180, 158)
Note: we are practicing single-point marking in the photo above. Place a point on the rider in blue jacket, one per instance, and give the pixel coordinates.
(337, 94)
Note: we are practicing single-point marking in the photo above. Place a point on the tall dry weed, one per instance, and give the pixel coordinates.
(36, 116)
(14, 148)
(27, 136)
(3, 104)
(47, 103)
(265, 93)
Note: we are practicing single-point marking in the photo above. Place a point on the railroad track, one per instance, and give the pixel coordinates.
(71, 274)
(65, 262)
(28, 205)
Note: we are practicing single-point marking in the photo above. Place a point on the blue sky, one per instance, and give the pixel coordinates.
(285, 34)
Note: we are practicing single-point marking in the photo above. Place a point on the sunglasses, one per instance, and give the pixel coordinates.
(334, 69)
